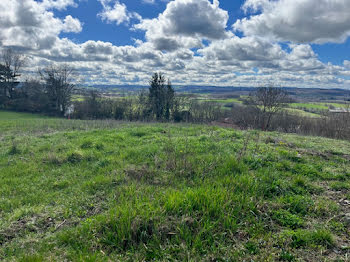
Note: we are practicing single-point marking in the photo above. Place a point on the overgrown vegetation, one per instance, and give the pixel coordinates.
(75, 190)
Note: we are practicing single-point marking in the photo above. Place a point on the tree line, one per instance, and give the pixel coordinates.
(52, 93)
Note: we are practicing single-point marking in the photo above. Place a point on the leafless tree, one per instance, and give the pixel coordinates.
(59, 85)
(10, 67)
(268, 101)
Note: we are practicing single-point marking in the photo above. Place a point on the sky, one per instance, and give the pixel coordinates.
(294, 43)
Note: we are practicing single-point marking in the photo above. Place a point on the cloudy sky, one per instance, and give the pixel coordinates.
(301, 43)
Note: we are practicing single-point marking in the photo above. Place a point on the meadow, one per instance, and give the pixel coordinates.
(74, 190)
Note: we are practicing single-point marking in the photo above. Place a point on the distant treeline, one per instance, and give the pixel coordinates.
(52, 94)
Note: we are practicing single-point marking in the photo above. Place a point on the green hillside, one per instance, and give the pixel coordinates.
(111, 191)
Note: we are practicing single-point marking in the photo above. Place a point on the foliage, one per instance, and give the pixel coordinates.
(161, 97)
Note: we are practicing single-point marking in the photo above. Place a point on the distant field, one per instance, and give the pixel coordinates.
(230, 100)
(113, 191)
(5, 115)
(320, 106)
(301, 112)
(303, 109)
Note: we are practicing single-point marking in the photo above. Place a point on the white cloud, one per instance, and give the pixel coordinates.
(72, 25)
(27, 24)
(347, 64)
(299, 21)
(184, 23)
(58, 4)
(149, 1)
(114, 11)
(243, 49)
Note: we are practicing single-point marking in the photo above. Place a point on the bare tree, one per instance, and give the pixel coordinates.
(10, 71)
(59, 86)
(268, 101)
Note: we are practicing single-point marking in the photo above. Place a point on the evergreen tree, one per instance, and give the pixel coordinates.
(161, 97)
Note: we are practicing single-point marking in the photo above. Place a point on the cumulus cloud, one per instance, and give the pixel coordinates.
(28, 24)
(243, 49)
(298, 21)
(174, 43)
(347, 64)
(71, 24)
(58, 4)
(116, 12)
(184, 23)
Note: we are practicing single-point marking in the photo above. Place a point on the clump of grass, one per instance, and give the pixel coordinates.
(58, 185)
(285, 218)
(99, 146)
(286, 256)
(87, 144)
(53, 159)
(32, 258)
(252, 247)
(305, 238)
(75, 157)
(138, 133)
(325, 208)
(143, 173)
(340, 186)
(297, 204)
(14, 149)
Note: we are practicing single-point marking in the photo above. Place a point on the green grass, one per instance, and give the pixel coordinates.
(316, 106)
(309, 106)
(113, 191)
(301, 112)
(6, 115)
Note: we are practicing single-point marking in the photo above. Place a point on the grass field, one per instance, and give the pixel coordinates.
(301, 112)
(112, 191)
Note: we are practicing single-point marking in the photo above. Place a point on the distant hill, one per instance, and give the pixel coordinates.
(313, 94)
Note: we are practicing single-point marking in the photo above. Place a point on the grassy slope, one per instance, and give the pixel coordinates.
(93, 191)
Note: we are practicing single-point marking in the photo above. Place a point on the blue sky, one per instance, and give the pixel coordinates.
(96, 29)
(302, 43)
